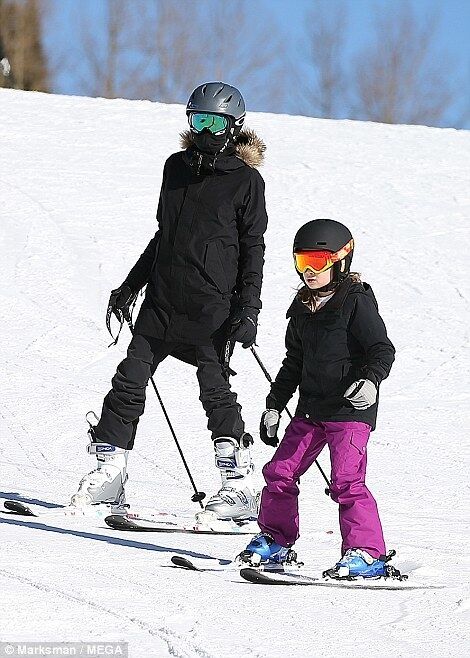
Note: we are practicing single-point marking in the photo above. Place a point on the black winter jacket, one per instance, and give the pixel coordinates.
(207, 256)
(328, 350)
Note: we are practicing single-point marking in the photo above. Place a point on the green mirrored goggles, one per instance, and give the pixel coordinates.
(215, 123)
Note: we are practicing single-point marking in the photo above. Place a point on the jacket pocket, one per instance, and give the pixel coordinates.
(214, 268)
(359, 441)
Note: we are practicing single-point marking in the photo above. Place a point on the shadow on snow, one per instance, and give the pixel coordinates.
(105, 538)
(11, 495)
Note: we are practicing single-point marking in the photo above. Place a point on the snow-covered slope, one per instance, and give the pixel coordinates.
(79, 180)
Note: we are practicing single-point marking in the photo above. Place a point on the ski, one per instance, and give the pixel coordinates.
(17, 508)
(133, 519)
(286, 578)
(100, 511)
(119, 522)
(262, 576)
(278, 577)
(203, 565)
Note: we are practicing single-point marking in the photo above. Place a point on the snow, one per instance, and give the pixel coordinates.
(79, 180)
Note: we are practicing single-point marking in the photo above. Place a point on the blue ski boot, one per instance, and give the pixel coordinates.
(357, 563)
(264, 551)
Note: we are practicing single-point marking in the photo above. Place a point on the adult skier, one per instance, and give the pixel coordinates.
(203, 271)
(338, 353)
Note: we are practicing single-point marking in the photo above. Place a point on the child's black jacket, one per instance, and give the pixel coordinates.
(327, 351)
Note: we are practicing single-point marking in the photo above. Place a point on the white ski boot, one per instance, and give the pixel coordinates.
(106, 483)
(237, 498)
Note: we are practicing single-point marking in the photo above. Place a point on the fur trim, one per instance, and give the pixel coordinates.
(248, 147)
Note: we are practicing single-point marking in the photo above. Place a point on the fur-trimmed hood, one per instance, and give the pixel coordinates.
(248, 146)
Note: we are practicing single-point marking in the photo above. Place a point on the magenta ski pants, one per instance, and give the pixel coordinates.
(302, 443)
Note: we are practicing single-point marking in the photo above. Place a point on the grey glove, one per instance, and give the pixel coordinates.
(362, 394)
(269, 426)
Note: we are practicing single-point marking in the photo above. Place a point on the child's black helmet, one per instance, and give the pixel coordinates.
(326, 235)
(322, 234)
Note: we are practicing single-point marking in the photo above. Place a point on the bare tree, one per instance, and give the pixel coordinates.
(138, 49)
(21, 34)
(161, 49)
(399, 78)
(173, 50)
(6, 42)
(217, 40)
(240, 44)
(101, 62)
(324, 86)
(5, 67)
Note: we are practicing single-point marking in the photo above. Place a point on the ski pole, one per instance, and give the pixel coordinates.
(269, 378)
(198, 496)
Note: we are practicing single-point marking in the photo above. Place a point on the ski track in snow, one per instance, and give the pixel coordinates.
(78, 194)
(176, 645)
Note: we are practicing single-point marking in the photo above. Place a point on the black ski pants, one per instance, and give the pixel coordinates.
(125, 402)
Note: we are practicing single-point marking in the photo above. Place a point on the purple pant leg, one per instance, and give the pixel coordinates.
(279, 514)
(358, 515)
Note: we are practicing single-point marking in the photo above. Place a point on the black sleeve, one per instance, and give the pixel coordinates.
(289, 376)
(369, 330)
(140, 273)
(252, 225)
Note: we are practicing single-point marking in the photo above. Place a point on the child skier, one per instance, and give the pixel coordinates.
(203, 270)
(338, 352)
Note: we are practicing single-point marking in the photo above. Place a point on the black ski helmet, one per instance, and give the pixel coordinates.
(327, 235)
(219, 98)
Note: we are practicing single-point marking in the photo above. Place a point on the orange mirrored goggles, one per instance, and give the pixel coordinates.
(320, 261)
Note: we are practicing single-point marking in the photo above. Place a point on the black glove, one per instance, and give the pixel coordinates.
(269, 426)
(244, 325)
(120, 301)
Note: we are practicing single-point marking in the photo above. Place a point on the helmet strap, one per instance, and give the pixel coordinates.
(338, 275)
(329, 286)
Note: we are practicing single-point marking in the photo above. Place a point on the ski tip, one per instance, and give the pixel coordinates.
(183, 563)
(255, 576)
(119, 522)
(16, 507)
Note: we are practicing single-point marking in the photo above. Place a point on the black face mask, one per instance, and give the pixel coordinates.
(208, 143)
